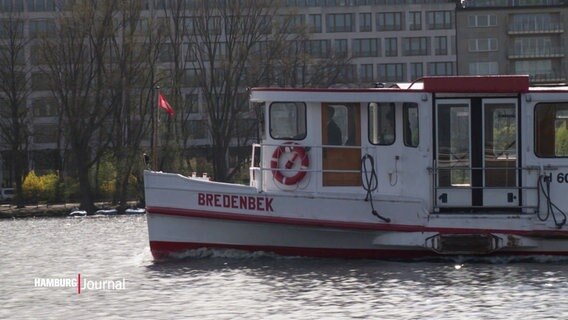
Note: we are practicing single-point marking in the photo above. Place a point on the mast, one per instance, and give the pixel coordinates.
(155, 130)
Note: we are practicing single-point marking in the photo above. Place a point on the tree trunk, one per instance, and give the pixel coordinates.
(18, 176)
(87, 202)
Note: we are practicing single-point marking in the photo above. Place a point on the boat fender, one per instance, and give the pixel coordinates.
(297, 152)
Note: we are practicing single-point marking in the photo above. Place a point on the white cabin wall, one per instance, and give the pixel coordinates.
(557, 166)
(407, 177)
(312, 181)
(402, 170)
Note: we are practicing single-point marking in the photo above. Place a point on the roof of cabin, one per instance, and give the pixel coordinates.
(444, 84)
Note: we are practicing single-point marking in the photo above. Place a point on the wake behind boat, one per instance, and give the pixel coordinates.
(447, 166)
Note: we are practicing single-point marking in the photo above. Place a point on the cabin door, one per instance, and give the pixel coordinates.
(341, 140)
(476, 153)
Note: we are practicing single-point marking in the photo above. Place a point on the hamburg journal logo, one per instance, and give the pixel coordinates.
(81, 284)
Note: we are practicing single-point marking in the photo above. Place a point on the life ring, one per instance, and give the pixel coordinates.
(297, 152)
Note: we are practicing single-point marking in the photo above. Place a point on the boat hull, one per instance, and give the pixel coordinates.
(186, 214)
(173, 235)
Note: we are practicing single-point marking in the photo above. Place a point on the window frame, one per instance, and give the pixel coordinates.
(392, 105)
(305, 121)
(405, 114)
(535, 130)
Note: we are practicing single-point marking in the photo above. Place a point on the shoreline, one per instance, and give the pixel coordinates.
(8, 211)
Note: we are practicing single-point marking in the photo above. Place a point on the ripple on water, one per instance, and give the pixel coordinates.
(229, 284)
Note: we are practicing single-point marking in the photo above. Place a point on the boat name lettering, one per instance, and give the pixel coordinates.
(235, 202)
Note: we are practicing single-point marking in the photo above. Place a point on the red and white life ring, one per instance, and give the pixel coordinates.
(298, 152)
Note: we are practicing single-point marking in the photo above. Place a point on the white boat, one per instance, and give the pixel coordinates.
(445, 166)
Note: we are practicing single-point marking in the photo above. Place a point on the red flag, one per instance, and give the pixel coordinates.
(163, 103)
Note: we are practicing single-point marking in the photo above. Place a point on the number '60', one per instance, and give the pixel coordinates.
(562, 178)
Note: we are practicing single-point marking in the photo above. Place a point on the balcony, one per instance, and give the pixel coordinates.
(535, 53)
(549, 77)
(466, 4)
(536, 28)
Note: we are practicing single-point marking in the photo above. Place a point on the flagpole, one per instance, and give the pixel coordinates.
(155, 138)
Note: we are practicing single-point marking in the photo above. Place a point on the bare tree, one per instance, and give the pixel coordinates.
(75, 60)
(14, 91)
(223, 35)
(132, 64)
(176, 54)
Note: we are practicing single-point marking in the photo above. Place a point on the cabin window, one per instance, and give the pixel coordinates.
(288, 120)
(381, 123)
(410, 124)
(551, 130)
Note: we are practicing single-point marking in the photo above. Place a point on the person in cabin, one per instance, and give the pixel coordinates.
(334, 136)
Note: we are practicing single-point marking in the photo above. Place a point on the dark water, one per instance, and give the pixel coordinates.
(231, 285)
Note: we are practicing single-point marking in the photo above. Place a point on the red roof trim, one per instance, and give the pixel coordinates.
(446, 84)
(361, 90)
(477, 84)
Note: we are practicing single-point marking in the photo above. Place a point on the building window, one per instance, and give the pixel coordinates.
(11, 6)
(288, 120)
(439, 20)
(440, 68)
(44, 107)
(45, 133)
(381, 123)
(541, 69)
(391, 47)
(340, 22)
(483, 45)
(410, 124)
(166, 52)
(41, 81)
(347, 73)
(42, 28)
(391, 72)
(441, 46)
(535, 46)
(483, 68)
(190, 77)
(40, 5)
(366, 73)
(11, 28)
(292, 23)
(416, 46)
(551, 130)
(365, 47)
(365, 22)
(318, 48)
(197, 129)
(416, 70)
(534, 22)
(482, 21)
(192, 102)
(415, 20)
(389, 21)
(341, 49)
(314, 23)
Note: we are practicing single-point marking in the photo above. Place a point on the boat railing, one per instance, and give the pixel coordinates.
(257, 170)
(512, 185)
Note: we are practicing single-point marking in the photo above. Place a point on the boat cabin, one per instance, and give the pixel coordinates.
(488, 144)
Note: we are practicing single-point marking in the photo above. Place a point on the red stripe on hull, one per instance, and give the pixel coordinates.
(165, 249)
(349, 225)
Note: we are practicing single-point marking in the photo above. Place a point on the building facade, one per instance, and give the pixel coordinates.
(388, 41)
(513, 37)
(384, 40)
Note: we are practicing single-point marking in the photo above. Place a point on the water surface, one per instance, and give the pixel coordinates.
(233, 285)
